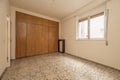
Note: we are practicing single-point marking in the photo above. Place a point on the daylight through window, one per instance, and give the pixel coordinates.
(92, 27)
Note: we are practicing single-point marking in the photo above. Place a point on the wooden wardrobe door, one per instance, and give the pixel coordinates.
(45, 39)
(53, 38)
(34, 39)
(31, 29)
(21, 39)
(39, 39)
(20, 35)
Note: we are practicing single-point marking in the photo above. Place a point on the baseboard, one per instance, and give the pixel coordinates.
(3, 73)
(94, 62)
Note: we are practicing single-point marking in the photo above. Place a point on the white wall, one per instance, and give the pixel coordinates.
(4, 11)
(95, 50)
(13, 21)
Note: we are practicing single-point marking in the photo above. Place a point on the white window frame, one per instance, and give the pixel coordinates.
(105, 27)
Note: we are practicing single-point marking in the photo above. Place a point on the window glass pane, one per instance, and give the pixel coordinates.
(97, 27)
(83, 29)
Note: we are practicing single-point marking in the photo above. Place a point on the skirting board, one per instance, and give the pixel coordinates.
(3, 73)
(93, 61)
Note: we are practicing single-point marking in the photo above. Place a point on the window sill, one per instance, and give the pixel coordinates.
(90, 39)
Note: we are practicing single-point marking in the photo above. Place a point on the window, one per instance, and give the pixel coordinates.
(83, 29)
(92, 27)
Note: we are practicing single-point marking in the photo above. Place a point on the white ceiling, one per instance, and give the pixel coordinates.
(53, 8)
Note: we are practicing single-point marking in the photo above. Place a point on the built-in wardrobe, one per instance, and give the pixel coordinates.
(35, 35)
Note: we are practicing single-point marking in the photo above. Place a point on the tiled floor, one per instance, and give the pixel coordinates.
(58, 67)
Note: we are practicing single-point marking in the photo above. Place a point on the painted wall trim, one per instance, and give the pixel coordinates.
(93, 61)
(3, 73)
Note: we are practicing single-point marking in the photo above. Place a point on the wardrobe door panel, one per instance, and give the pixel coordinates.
(31, 39)
(45, 39)
(20, 39)
(53, 38)
(39, 39)
(21, 24)
(34, 39)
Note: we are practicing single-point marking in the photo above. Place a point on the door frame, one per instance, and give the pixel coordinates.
(8, 40)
